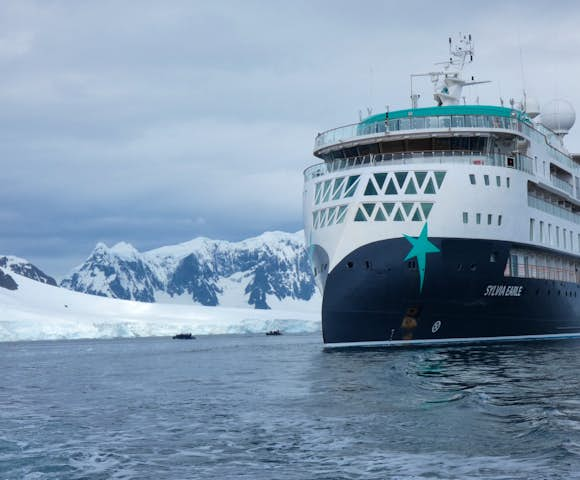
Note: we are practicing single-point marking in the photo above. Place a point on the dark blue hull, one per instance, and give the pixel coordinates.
(374, 295)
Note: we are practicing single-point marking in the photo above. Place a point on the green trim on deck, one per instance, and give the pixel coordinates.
(447, 110)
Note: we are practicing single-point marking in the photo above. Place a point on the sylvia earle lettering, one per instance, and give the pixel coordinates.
(503, 291)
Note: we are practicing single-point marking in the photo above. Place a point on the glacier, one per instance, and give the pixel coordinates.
(41, 311)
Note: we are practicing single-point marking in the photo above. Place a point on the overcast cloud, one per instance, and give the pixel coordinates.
(155, 122)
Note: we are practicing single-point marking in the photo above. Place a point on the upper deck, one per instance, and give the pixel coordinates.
(440, 121)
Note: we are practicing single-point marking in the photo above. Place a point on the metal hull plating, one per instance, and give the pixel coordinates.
(372, 297)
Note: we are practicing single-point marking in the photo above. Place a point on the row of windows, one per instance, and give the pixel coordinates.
(329, 216)
(559, 208)
(553, 235)
(393, 211)
(487, 182)
(528, 264)
(407, 183)
(479, 218)
(335, 189)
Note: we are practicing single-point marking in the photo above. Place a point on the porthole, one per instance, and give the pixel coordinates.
(349, 264)
(459, 267)
(473, 267)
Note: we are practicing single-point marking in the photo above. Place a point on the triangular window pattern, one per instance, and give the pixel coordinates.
(426, 209)
(380, 179)
(326, 193)
(331, 212)
(391, 190)
(407, 206)
(337, 190)
(417, 216)
(370, 190)
(398, 215)
(380, 216)
(341, 214)
(430, 188)
(360, 216)
(401, 177)
(420, 176)
(351, 185)
(388, 208)
(439, 176)
(369, 207)
(411, 190)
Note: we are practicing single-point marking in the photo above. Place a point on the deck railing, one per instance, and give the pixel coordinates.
(519, 162)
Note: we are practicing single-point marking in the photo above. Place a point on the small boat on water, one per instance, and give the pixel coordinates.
(183, 336)
(274, 332)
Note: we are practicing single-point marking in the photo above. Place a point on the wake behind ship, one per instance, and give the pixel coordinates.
(452, 223)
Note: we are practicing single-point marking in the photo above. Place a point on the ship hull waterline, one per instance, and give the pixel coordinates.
(373, 298)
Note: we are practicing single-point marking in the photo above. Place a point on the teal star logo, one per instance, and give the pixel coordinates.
(421, 247)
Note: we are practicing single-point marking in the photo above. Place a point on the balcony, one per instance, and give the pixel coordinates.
(562, 184)
(519, 162)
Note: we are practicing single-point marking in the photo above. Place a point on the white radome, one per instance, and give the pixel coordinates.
(559, 116)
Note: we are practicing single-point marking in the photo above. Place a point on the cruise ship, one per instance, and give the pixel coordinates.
(455, 222)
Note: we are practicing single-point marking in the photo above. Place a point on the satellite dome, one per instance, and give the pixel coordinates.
(559, 116)
(532, 107)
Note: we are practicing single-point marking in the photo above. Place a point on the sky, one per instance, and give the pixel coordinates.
(156, 122)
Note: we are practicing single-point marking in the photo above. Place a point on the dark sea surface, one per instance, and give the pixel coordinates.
(262, 407)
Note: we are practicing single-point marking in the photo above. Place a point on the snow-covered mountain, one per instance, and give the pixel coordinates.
(25, 268)
(268, 271)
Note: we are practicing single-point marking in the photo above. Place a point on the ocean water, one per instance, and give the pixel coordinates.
(260, 407)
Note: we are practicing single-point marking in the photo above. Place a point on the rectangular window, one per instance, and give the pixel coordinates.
(499, 220)
(465, 217)
(478, 218)
(489, 218)
(507, 182)
(571, 241)
(486, 179)
(498, 181)
(564, 237)
(514, 266)
(532, 221)
(472, 178)
(541, 232)
(549, 233)
(557, 236)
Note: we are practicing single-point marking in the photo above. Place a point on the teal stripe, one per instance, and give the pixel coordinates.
(446, 110)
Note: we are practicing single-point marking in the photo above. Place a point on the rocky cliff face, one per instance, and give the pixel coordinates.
(271, 268)
(6, 281)
(25, 268)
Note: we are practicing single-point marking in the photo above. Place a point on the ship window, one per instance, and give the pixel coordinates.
(367, 264)
(444, 122)
(564, 237)
(457, 121)
(370, 190)
(360, 216)
(439, 177)
(418, 123)
(478, 218)
(507, 182)
(399, 216)
(430, 188)
(498, 181)
(465, 217)
(369, 208)
(380, 216)
(349, 264)
(532, 221)
(541, 231)
(388, 207)
(473, 267)
(557, 236)
(549, 234)
(493, 257)
(412, 265)
(486, 179)
(489, 218)
(391, 189)
(341, 214)
(404, 124)
(426, 209)
(499, 220)
(472, 178)
(351, 186)
(514, 266)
